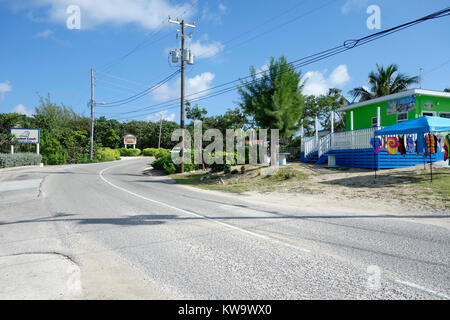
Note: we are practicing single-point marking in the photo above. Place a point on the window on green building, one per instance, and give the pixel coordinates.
(402, 117)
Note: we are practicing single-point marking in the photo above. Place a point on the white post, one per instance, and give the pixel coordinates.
(351, 121)
(332, 121)
(12, 149)
(134, 146)
(352, 129)
(302, 135)
(379, 117)
(316, 125)
(37, 148)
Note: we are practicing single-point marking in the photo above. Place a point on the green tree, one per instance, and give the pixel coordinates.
(322, 106)
(384, 82)
(274, 99)
(51, 150)
(447, 90)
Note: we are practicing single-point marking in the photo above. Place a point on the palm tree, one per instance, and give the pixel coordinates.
(384, 82)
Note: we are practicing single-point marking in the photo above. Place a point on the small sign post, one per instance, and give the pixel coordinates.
(22, 135)
(130, 140)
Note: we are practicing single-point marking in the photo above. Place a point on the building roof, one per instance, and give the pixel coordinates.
(412, 92)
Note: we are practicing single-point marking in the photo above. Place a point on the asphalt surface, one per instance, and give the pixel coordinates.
(193, 244)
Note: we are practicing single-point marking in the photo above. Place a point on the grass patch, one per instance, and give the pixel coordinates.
(254, 179)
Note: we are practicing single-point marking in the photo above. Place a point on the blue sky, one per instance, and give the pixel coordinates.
(41, 55)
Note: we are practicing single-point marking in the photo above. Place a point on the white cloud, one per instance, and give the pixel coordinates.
(4, 88)
(201, 82)
(214, 16)
(316, 82)
(222, 8)
(351, 5)
(149, 14)
(21, 109)
(202, 50)
(164, 114)
(44, 34)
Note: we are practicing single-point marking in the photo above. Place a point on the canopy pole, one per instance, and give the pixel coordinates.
(374, 155)
(431, 162)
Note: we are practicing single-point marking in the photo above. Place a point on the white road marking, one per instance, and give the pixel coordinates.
(19, 184)
(416, 286)
(257, 235)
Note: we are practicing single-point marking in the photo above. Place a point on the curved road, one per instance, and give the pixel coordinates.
(135, 236)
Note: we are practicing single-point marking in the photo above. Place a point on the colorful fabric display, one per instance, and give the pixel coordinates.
(376, 144)
(411, 146)
(440, 143)
(420, 144)
(447, 147)
(401, 146)
(392, 145)
(431, 144)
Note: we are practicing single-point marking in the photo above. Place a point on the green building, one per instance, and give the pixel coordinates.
(390, 110)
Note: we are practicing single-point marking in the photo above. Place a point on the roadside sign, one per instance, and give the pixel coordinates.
(22, 135)
(129, 140)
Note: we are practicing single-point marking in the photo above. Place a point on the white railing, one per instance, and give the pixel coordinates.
(309, 146)
(357, 139)
(325, 145)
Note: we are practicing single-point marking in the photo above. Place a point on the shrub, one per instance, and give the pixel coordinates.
(149, 152)
(52, 151)
(133, 152)
(107, 154)
(166, 164)
(123, 152)
(19, 159)
(160, 153)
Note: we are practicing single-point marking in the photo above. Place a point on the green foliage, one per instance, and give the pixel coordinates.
(19, 159)
(133, 152)
(107, 154)
(161, 153)
(321, 106)
(123, 152)
(274, 98)
(165, 164)
(51, 150)
(384, 82)
(154, 152)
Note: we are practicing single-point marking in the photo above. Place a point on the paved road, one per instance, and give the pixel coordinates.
(135, 236)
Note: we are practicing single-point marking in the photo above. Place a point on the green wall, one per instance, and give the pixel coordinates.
(362, 116)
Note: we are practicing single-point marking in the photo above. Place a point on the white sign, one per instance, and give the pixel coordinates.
(27, 135)
(129, 139)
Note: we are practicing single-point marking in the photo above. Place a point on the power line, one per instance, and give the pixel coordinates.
(347, 45)
(140, 94)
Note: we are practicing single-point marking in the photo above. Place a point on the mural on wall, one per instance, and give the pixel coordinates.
(428, 105)
(401, 105)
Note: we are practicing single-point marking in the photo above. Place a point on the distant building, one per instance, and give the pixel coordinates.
(397, 107)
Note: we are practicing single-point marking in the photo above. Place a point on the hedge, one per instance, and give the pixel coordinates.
(166, 164)
(133, 152)
(19, 159)
(107, 154)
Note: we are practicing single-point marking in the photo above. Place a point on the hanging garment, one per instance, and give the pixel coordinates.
(384, 144)
(440, 143)
(431, 144)
(392, 145)
(376, 144)
(420, 144)
(447, 147)
(401, 146)
(411, 145)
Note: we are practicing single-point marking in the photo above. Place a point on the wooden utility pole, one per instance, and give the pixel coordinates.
(183, 61)
(91, 151)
